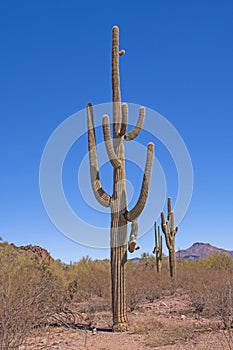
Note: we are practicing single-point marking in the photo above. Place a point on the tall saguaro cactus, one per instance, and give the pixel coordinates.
(158, 249)
(170, 233)
(120, 215)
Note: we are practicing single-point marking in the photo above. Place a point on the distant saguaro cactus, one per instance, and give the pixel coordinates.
(120, 215)
(158, 249)
(170, 233)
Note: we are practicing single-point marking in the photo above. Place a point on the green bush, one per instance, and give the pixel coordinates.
(217, 261)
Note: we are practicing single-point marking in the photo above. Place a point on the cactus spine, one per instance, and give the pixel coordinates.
(117, 202)
(158, 249)
(170, 233)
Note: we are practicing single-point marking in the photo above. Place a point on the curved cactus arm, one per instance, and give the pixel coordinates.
(108, 143)
(135, 132)
(102, 197)
(124, 118)
(132, 244)
(138, 208)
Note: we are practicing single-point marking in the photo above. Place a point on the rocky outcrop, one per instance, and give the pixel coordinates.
(35, 252)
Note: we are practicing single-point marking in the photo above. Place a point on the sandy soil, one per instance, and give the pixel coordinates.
(165, 324)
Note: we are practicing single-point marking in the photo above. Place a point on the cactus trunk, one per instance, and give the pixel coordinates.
(158, 265)
(119, 237)
(172, 263)
(120, 216)
(118, 264)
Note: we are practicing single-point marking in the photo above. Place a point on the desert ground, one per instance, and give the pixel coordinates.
(167, 324)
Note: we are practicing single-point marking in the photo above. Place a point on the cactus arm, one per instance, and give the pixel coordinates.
(102, 197)
(160, 241)
(135, 132)
(163, 224)
(168, 242)
(158, 249)
(132, 244)
(171, 221)
(155, 231)
(169, 206)
(138, 208)
(124, 121)
(170, 218)
(108, 143)
(156, 237)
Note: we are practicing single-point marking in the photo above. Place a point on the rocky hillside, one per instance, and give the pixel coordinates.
(35, 252)
(200, 250)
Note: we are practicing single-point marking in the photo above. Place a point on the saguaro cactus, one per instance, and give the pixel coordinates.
(158, 249)
(117, 202)
(170, 233)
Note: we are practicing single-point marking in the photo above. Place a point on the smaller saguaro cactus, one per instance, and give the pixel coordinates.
(170, 233)
(158, 249)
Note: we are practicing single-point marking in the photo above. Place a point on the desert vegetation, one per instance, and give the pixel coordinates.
(37, 295)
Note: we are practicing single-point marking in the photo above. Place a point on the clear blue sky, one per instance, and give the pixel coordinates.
(55, 57)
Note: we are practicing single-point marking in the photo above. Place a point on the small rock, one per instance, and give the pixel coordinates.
(94, 331)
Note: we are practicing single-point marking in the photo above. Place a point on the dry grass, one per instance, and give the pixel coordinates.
(159, 334)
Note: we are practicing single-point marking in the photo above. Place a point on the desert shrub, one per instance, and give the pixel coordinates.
(218, 261)
(88, 279)
(29, 296)
(209, 283)
(143, 282)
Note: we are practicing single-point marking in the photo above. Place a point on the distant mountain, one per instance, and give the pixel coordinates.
(200, 250)
(135, 260)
